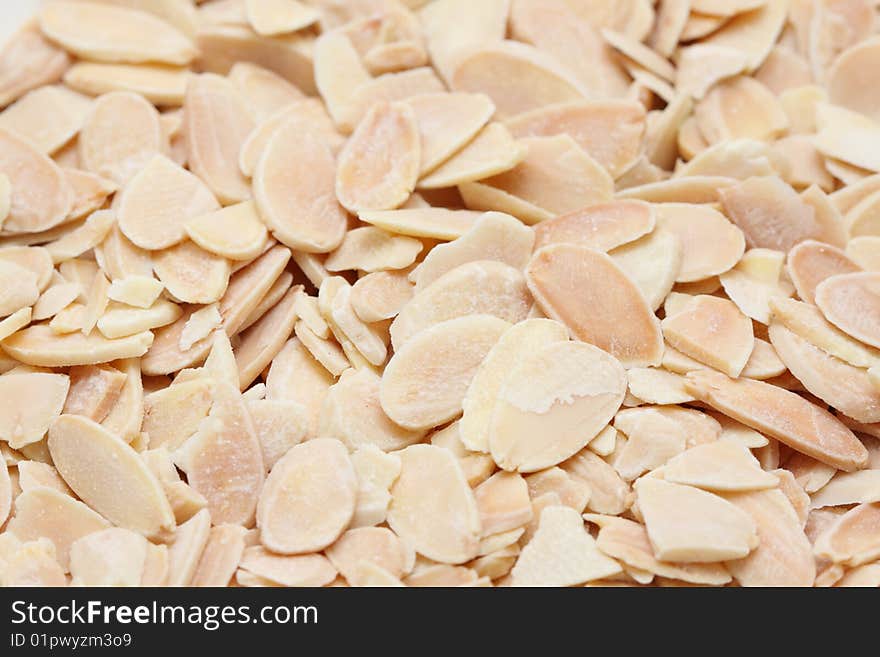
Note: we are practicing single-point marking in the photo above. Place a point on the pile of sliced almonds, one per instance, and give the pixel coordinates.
(441, 293)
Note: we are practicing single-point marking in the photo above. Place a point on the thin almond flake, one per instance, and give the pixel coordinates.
(764, 363)
(271, 17)
(811, 262)
(587, 291)
(562, 553)
(380, 295)
(572, 492)
(31, 401)
(84, 237)
(783, 415)
(279, 288)
(377, 545)
(38, 345)
(703, 65)
(433, 223)
(639, 53)
(738, 108)
(696, 189)
(852, 303)
(480, 286)
(371, 249)
(33, 474)
(121, 321)
(653, 262)
(235, 232)
(854, 539)
(221, 556)
(265, 92)
(124, 419)
(47, 117)
(120, 258)
(110, 33)
(325, 351)
(216, 123)
(162, 85)
(110, 557)
(138, 291)
(90, 191)
(279, 425)
(173, 414)
(860, 487)
(338, 73)
(603, 226)
(154, 207)
(93, 391)
(753, 32)
(564, 393)
(867, 576)
(262, 341)
(657, 386)
(688, 524)
(477, 466)
(226, 461)
(367, 340)
(376, 471)
(755, 282)
(863, 219)
(719, 466)
(28, 61)
(309, 498)
(652, 438)
(200, 325)
(69, 319)
(18, 288)
(185, 552)
(96, 304)
(710, 244)
(737, 158)
(191, 274)
(846, 86)
(33, 258)
(847, 136)
(15, 322)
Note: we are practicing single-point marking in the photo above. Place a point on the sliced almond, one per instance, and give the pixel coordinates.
(280, 16)
(110, 557)
(173, 414)
(753, 32)
(185, 553)
(810, 263)
(15, 322)
(33, 258)
(380, 295)
(120, 258)
(719, 466)
(262, 341)
(93, 391)
(47, 117)
(435, 223)
(853, 539)
(377, 545)
(372, 249)
(221, 556)
(653, 262)
(266, 93)
(603, 226)
(19, 288)
(755, 283)
(31, 402)
(852, 303)
(301, 570)
(696, 189)
(138, 291)
(861, 487)
(162, 85)
(192, 274)
(235, 232)
(338, 73)
(28, 61)
(657, 386)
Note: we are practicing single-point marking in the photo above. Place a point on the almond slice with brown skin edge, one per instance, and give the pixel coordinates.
(587, 291)
(852, 303)
(603, 226)
(309, 498)
(109, 475)
(783, 415)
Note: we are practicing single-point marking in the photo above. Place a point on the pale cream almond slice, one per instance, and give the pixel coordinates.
(608, 492)
(93, 391)
(18, 288)
(138, 291)
(867, 576)
(90, 191)
(82, 238)
(565, 415)
(852, 303)
(722, 465)
(561, 553)
(781, 414)
(119, 258)
(556, 175)
(590, 294)
(784, 555)
(486, 198)
(162, 85)
(41, 197)
(725, 8)
(650, 438)
(110, 33)
(690, 143)
(295, 375)
(47, 117)
(836, 382)
(15, 322)
(325, 350)
(495, 236)
(173, 414)
(572, 492)
(603, 226)
(442, 359)
(282, 570)
(832, 224)
(96, 304)
(191, 274)
(501, 69)
(33, 474)
(371, 249)
(216, 123)
(120, 321)
(703, 65)
(710, 243)
(379, 165)
(368, 574)
(808, 322)
(864, 217)
(627, 541)
(433, 223)
(33, 258)
(307, 310)
(154, 207)
(796, 495)
(56, 298)
(691, 525)
(273, 17)
(610, 131)
(120, 136)
(480, 286)
(520, 341)
(753, 32)
(27, 61)
(808, 473)
(265, 338)
(108, 475)
(221, 556)
(298, 203)
(126, 416)
(738, 108)
(691, 189)
(376, 471)
(185, 552)
(736, 158)
(443, 525)
(368, 341)
(853, 539)
(806, 164)
(339, 71)
(309, 498)
(447, 122)
(764, 363)
(31, 401)
(279, 288)
(32, 563)
(38, 345)
(756, 281)
(874, 376)
(641, 54)
(846, 86)
(863, 250)
(50, 514)
(491, 152)
(700, 25)
(477, 466)
(847, 136)
(236, 232)
(800, 103)
(380, 295)
(279, 425)
(266, 93)
(657, 386)
(653, 262)
(110, 557)
(861, 487)
(605, 441)
(378, 545)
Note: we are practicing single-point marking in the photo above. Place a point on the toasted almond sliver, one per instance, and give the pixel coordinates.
(162, 85)
(110, 557)
(563, 541)
(852, 303)
(309, 498)
(154, 220)
(423, 364)
(853, 539)
(789, 418)
(491, 152)
(653, 262)
(31, 401)
(380, 295)
(221, 556)
(688, 524)
(235, 232)
(713, 331)
(378, 545)
(114, 34)
(38, 345)
(722, 465)
(481, 286)
(47, 117)
(435, 223)
(217, 124)
(108, 475)
(372, 249)
(532, 403)
(298, 203)
(587, 291)
(299, 570)
(603, 226)
(262, 341)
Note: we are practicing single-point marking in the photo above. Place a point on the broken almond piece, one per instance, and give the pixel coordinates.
(853, 539)
(110, 557)
(852, 303)
(138, 291)
(657, 386)
(93, 391)
(722, 465)
(371, 249)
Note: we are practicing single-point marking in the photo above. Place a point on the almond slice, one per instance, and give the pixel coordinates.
(703, 65)
(298, 203)
(121, 321)
(235, 232)
(186, 551)
(435, 223)
(789, 418)
(852, 303)
(120, 258)
(657, 386)
(710, 243)
(325, 351)
(192, 274)
(739, 108)
(301, 570)
(294, 375)
(28, 61)
(753, 32)
(82, 238)
(15, 322)
(265, 338)
(108, 475)
(376, 471)
(18, 288)
(377, 545)
(371, 249)
(424, 364)
(161, 85)
(639, 53)
(695, 189)
(852, 539)
(266, 93)
(845, 86)
(754, 283)
(221, 556)
(380, 295)
(279, 16)
(653, 262)
(110, 557)
(566, 417)
(862, 219)
(93, 391)
(587, 292)
(603, 226)
(481, 286)
(138, 291)
(338, 73)
(279, 425)
(722, 465)
(31, 401)
(810, 263)
(47, 117)
(114, 34)
(309, 498)
(33, 258)
(173, 414)
(38, 345)
(848, 488)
